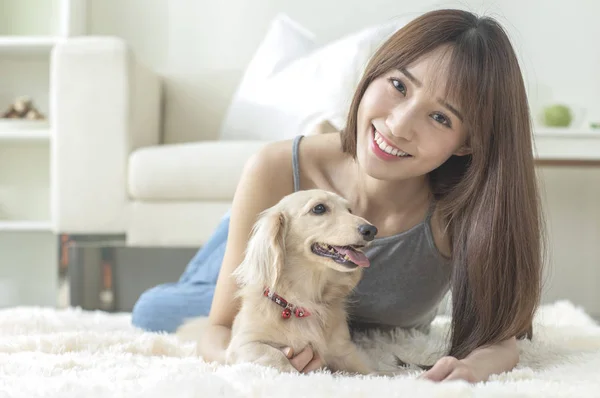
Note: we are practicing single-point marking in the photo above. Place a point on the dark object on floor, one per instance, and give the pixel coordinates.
(105, 274)
(401, 364)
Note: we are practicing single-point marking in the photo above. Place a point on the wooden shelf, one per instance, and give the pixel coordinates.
(28, 44)
(24, 130)
(566, 132)
(567, 145)
(25, 226)
(29, 31)
(25, 135)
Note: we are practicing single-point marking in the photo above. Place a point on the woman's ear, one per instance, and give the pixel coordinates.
(463, 150)
(265, 253)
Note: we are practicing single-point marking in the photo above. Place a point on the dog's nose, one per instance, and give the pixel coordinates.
(368, 231)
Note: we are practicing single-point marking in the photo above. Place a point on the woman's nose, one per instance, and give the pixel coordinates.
(401, 122)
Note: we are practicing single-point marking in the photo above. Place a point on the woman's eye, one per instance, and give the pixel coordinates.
(319, 209)
(398, 85)
(442, 119)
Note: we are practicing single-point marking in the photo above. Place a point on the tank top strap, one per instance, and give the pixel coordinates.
(295, 162)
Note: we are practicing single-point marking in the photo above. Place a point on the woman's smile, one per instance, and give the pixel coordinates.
(384, 149)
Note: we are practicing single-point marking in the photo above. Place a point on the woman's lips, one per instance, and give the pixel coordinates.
(383, 150)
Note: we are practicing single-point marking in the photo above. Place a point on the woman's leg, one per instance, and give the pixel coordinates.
(165, 307)
(196, 269)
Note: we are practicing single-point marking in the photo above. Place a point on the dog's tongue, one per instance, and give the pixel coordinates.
(356, 257)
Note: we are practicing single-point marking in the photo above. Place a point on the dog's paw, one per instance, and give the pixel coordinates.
(192, 329)
(270, 358)
(282, 364)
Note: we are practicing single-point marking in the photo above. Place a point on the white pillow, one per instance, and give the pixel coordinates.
(285, 41)
(290, 85)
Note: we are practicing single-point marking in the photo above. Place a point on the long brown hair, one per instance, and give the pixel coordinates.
(488, 200)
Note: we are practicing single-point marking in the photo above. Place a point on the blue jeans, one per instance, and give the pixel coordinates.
(164, 308)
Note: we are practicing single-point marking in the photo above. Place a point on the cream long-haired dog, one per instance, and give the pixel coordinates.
(303, 259)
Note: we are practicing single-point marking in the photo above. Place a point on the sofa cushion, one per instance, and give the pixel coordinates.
(173, 223)
(202, 171)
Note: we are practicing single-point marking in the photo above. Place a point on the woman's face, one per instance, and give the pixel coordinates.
(404, 127)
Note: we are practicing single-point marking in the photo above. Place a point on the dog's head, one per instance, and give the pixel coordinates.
(315, 228)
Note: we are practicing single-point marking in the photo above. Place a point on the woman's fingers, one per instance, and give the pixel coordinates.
(314, 364)
(288, 352)
(441, 369)
(303, 358)
(305, 361)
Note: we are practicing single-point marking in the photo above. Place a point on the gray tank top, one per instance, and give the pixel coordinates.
(407, 279)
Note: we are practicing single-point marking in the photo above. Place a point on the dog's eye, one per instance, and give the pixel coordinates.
(319, 209)
(350, 210)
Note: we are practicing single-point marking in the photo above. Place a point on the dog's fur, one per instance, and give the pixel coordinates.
(279, 257)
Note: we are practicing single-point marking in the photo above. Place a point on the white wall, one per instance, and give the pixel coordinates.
(16, 17)
(201, 47)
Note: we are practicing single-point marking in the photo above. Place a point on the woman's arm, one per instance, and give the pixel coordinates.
(483, 361)
(266, 178)
(214, 342)
(477, 366)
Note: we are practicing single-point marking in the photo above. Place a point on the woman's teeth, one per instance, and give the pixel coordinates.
(388, 149)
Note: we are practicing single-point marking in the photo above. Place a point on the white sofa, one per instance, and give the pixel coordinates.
(110, 172)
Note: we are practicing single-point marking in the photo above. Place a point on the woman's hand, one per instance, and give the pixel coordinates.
(450, 368)
(305, 361)
(477, 366)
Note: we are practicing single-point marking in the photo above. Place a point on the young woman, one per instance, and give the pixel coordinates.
(437, 153)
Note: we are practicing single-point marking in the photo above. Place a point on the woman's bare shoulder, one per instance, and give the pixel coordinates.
(274, 162)
(273, 165)
(322, 146)
(319, 156)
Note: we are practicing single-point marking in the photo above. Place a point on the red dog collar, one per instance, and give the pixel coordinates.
(288, 308)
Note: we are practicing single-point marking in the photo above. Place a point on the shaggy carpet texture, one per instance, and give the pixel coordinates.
(73, 353)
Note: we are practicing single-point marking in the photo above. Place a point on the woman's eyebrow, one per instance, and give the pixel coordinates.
(451, 109)
(410, 77)
(419, 84)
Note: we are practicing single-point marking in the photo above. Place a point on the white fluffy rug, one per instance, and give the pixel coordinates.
(73, 353)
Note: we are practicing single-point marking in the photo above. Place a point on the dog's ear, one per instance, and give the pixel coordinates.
(265, 253)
